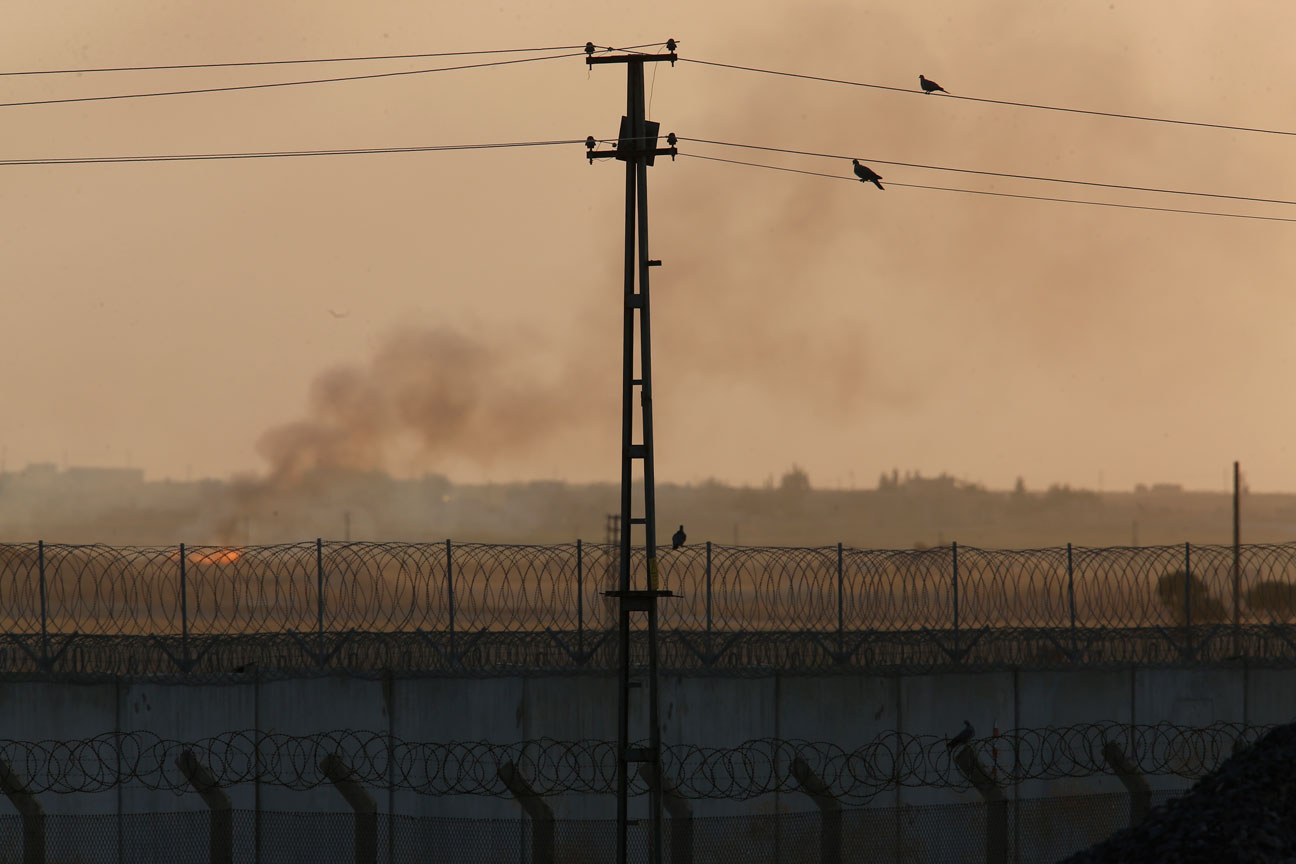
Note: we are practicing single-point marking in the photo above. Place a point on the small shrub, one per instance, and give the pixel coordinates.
(1206, 607)
(1276, 598)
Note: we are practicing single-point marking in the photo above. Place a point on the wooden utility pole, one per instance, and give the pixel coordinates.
(637, 147)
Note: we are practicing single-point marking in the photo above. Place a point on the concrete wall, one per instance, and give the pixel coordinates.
(709, 711)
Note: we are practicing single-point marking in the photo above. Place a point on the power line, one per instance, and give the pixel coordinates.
(303, 61)
(986, 101)
(267, 86)
(994, 173)
(998, 194)
(280, 154)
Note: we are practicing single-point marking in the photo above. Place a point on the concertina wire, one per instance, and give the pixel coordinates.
(552, 767)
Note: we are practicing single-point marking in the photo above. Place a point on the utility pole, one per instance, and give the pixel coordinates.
(637, 147)
(1237, 559)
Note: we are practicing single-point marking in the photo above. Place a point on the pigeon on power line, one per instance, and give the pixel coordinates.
(678, 538)
(929, 86)
(866, 174)
(962, 737)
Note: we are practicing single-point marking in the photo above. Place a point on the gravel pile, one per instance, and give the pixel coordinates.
(1244, 811)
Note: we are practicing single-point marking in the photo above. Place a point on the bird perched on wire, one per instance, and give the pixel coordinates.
(962, 737)
(929, 86)
(866, 174)
(678, 538)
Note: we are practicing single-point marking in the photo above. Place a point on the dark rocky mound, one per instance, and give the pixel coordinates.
(1244, 811)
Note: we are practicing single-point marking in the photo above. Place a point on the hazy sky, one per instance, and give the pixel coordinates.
(460, 311)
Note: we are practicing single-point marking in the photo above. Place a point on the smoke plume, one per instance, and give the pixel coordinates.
(429, 394)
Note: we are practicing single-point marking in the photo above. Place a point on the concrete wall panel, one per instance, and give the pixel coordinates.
(938, 704)
(442, 710)
(1066, 698)
(1187, 697)
(304, 706)
(1271, 696)
(41, 711)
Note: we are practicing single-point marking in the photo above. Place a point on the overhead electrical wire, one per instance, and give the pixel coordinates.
(307, 60)
(983, 100)
(496, 145)
(282, 154)
(302, 61)
(1033, 177)
(272, 84)
(999, 194)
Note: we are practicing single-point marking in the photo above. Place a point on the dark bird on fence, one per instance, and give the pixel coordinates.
(929, 86)
(678, 538)
(961, 738)
(866, 174)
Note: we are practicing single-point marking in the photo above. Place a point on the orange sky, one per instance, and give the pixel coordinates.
(168, 316)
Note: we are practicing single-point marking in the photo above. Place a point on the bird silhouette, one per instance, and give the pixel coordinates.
(678, 538)
(962, 737)
(929, 86)
(866, 174)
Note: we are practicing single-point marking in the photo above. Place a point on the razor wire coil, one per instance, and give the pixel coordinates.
(553, 767)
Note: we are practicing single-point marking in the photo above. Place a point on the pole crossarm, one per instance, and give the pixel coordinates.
(625, 150)
(632, 58)
(670, 56)
(613, 154)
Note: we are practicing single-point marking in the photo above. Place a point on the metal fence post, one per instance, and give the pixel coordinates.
(44, 621)
(542, 818)
(841, 602)
(1071, 590)
(580, 599)
(1187, 601)
(33, 815)
(184, 606)
(450, 603)
(954, 556)
(970, 767)
(830, 816)
(360, 801)
(1139, 794)
(708, 588)
(221, 838)
(1237, 562)
(680, 810)
(319, 590)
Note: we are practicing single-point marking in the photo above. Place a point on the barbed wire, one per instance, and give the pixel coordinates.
(552, 767)
(402, 587)
(733, 653)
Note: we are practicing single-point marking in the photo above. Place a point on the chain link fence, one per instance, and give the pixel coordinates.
(1039, 831)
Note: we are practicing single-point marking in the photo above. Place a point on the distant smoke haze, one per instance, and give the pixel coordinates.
(176, 314)
(427, 396)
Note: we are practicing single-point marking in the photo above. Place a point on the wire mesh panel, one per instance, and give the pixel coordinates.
(303, 838)
(1050, 829)
(1036, 831)
(431, 840)
(954, 833)
(184, 837)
